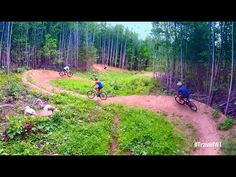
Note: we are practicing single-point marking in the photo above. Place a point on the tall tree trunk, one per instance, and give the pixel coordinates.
(110, 60)
(124, 55)
(181, 54)
(68, 49)
(86, 35)
(120, 60)
(1, 42)
(116, 49)
(212, 65)
(108, 50)
(9, 33)
(232, 70)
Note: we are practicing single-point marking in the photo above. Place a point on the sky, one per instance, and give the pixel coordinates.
(142, 28)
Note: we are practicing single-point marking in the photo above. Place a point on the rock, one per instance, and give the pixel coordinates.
(29, 111)
(48, 107)
(9, 100)
(38, 102)
(21, 98)
(45, 113)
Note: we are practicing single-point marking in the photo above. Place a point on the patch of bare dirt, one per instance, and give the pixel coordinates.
(114, 144)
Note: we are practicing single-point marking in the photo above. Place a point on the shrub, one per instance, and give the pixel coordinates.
(229, 144)
(226, 124)
(215, 114)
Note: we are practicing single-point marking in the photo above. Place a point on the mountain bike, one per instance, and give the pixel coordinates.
(63, 73)
(186, 101)
(92, 93)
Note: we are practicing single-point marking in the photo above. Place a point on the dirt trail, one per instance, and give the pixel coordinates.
(205, 126)
(41, 81)
(100, 68)
(114, 144)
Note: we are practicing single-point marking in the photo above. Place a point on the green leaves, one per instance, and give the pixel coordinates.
(145, 133)
(50, 46)
(114, 84)
(226, 124)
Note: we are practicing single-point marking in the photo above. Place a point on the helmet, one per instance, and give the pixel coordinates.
(179, 83)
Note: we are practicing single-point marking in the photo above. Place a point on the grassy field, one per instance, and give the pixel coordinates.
(114, 83)
(82, 127)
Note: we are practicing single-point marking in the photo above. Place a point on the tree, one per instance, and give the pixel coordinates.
(212, 65)
(232, 71)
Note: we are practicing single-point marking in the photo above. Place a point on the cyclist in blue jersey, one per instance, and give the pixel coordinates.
(183, 91)
(99, 86)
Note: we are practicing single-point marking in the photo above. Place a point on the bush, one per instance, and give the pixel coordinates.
(216, 114)
(229, 144)
(2, 95)
(115, 83)
(145, 133)
(14, 89)
(15, 128)
(226, 124)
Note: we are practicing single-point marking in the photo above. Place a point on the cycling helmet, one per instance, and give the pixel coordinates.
(179, 83)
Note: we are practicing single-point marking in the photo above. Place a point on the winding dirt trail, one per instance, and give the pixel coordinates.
(206, 128)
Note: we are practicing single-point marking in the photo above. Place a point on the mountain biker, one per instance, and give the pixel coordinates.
(67, 68)
(183, 91)
(99, 85)
(105, 67)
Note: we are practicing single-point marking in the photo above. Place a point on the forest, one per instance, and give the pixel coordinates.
(139, 115)
(201, 54)
(53, 44)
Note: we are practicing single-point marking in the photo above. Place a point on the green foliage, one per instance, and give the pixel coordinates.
(22, 148)
(79, 139)
(82, 127)
(145, 133)
(14, 128)
(11, 86)
(229, 144)
(114, 83)
(216, 114)
(14, 89)
(226, 124)
(50, 46)
(72, 107)
(88, 55)
(2, 95)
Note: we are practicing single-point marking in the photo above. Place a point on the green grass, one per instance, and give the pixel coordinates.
(10, 85)
(146, 133)
(77, 129)
(115, 83)
(229, 144)
(83, 127)
(226, 124)
(216, 114)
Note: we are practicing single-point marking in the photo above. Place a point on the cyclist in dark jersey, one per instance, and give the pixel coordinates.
(183, 91)
(105, 67)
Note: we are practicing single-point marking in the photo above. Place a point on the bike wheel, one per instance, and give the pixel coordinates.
(179, 100)
(103, 96)
(192, 106)
(91, 94)
(61, 73)
(69, 74)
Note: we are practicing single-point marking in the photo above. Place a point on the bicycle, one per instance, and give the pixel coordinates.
(189, 103)
(63, 73)
(92, 93)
